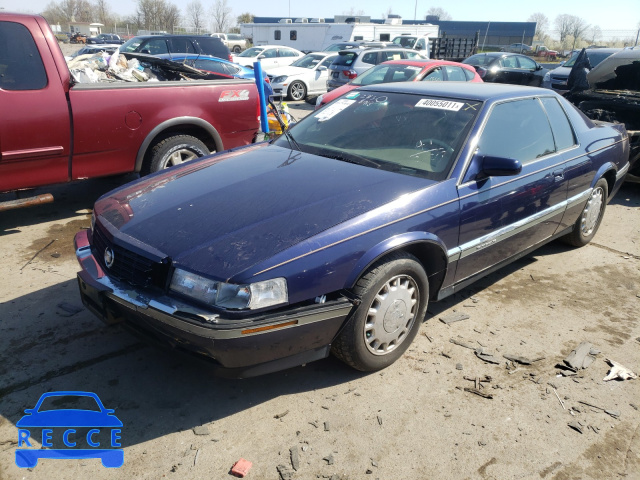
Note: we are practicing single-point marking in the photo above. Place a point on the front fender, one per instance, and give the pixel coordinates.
(388, 245)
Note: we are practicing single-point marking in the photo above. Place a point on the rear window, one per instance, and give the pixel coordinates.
(345, 59)
(213, 46)
(482, 60)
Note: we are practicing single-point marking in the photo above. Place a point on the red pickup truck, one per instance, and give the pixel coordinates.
(54, 130)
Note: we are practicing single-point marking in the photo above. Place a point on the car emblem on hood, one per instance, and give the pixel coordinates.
(109, 257)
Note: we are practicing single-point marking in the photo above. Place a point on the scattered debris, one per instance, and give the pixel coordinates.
(618, 371)
(195, 459)
(315, 424)
(522, 360)
(326, 426)
(38, 253)
(368, 471)
(478, 380)
(613, 413)
(241, 467)
(428, 338)
(576, 426)
(201, 430)
(174, 468)
(379, 420)
(485, 356)
(285, 472)
(634, 406)
(67, 310)
(454, 317)
(560, 400)
(329, 459)
(458, 366)
(445, 355)
(478, 392)
(374, 463)
(295, 458)
(581, 357)
(280, 415)
(462, 344)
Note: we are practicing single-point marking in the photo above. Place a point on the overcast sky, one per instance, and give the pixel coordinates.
(611, 15)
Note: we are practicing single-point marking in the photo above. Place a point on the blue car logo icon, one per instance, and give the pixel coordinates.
(95, 420)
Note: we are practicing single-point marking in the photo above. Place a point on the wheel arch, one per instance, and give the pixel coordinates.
(427, 248)
(608, 172)
(196, 127)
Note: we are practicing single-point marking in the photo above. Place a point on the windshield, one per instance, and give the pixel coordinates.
(387, 74)
(406, 42)
(410, 134)
(595, 58)
(251, 52)
(308, 61)
(130, 45)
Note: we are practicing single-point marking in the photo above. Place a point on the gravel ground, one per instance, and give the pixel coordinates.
(414, 420)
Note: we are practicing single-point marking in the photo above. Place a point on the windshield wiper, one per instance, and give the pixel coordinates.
(285, 130)
(353, 158)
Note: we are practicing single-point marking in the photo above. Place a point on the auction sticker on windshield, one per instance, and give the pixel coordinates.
(439, 104)
(333, 109)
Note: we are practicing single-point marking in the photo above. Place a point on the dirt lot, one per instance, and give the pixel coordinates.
(412, 421)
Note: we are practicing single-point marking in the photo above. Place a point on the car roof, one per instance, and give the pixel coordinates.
(193, 56)
(463, 90)
(358, 51)
(425, 63)
(498, 54)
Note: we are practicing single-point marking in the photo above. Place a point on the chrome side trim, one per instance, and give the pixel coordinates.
(622, 172)
(509, 231)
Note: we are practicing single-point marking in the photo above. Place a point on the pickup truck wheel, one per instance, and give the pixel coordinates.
(174, 151)
(589, 220)
(297, 91)
(394, 295)
(237, 49)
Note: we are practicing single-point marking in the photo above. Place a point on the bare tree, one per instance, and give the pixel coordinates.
(157, 15)
(578, 27)
(595, 34)
(542, 24)
(195, 14)
(244, 18)
(563, 25)
(221, 14)
(388, 12)
(352, 12)
(102, 11)
(439, 12)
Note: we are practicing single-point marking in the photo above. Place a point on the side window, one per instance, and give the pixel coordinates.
(156, 47)
(469, 74)
(454, 74)
(327, 61)
(519, 130)
(509, 62)
(434, 75)
(385, 37)
(370, 58)
(358, 38)
(526, 63)
(421, 44)
(562, 131)
(413, 55)
(293, 35)
(21, 66)
(269, 53)
(277, 35)
(209, 66)
(393, 55)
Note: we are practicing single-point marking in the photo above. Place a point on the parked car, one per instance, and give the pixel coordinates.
(305, 76)
(557, 78)
(93, 49)
(159, 44)
(335, 236)
(234, 41)
(517, 48)
(219, 66)
(405, 71)
(612, 96)
(94, 40)
(111, 38)
(270, 56)
(351, 63)
(502, 67)
(78, 38)
(545, 52)
(336, 47)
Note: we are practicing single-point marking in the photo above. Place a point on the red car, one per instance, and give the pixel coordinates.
(406, 71)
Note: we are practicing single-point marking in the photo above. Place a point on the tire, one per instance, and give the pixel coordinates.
(394, 293)
(297, 91)
(590, 218)
(174, 151)
(237, 49)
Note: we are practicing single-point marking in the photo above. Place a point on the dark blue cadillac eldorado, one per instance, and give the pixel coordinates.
(335, 237)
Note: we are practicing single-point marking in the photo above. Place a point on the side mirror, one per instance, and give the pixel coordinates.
(418, 47)
(260, 57)
(500, 166)
(322, 68)
(538, 67)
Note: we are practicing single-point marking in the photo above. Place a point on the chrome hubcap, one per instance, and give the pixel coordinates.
(297, 91)
(180, 156)
(591, 212)
(391, 315)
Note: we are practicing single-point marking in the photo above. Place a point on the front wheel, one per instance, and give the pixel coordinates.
(394, 295)
(174, 151)
(589, 220)
(297, 91)
(237, 49)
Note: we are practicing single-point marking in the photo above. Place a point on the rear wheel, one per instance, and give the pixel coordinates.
(174, 151)
(394, 295)
(297, 91)
(589, 220)
(237, 49)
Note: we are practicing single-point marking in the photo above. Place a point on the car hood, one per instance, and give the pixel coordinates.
(620, 71)
(226, 213)
(561, 71)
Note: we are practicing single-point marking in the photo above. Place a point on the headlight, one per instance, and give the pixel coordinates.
(547, 77)
(280, 79)
(226, 295)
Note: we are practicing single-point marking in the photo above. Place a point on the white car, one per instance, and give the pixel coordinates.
(305, 76)
(270, 56)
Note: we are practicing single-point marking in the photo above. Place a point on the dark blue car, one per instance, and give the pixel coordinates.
(335, 237)
(218, 66)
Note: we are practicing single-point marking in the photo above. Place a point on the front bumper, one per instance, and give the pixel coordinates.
(243, 347)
